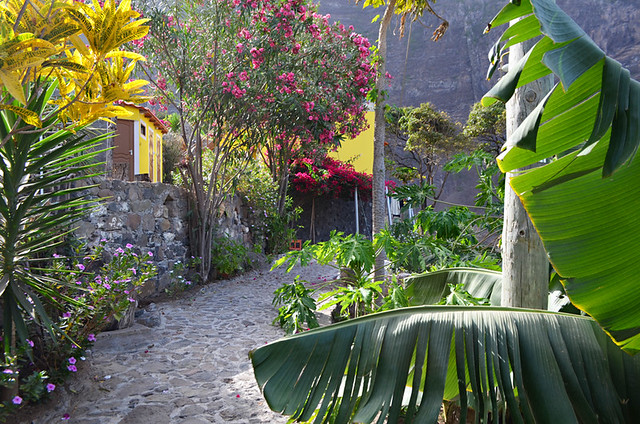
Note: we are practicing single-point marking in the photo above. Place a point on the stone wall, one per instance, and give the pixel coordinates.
(153, 217)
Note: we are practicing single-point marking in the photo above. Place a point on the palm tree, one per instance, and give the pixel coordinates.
(539, 366)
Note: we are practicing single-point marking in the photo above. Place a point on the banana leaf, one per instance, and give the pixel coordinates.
(540, 366)
(585, 201)
(429, 287)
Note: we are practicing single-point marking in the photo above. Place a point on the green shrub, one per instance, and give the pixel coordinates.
(101, 292)
(228, 257)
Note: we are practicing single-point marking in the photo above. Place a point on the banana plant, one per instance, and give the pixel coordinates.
(585, 201)
(535, 366)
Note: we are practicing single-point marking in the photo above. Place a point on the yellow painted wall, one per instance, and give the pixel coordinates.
(360, 148)
(147, 145)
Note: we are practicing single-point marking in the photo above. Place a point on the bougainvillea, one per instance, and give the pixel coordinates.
(329, 177)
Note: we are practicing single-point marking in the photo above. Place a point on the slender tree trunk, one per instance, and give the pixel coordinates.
(378, 194)
(525, 265)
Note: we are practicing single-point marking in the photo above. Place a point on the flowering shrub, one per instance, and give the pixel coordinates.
(329, 176)
(101, 292)
(267, 76)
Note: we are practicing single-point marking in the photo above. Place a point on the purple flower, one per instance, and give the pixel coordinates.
(8, 371)
(55, 255)
(66, 315)
(72, 360)
(66, 416)
(91, 337)
(80, 267)
(51, 387)
(17, 400)
(29, 342)
(104, 240)
(129, 246)
(132, 300)
(72, 368)
(150, 253)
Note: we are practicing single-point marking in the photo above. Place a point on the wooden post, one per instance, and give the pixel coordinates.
(525, 265)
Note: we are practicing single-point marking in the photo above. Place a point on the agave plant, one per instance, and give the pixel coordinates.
(38, 206)
(539, 366)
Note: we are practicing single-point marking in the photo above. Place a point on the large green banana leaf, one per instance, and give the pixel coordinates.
(585, 203)
(544, 367)
(429, 287)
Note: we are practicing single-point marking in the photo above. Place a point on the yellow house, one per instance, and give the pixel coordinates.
(359, 150)
(137, 152)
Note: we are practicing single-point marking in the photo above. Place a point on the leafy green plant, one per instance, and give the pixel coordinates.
(353, 255)
(459, 296)
(183, 275)
(102, 292)
(297, 307)
(228, 256)
(540, 366)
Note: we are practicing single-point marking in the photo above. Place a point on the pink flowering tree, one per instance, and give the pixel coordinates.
(316, 78)
(268, 76)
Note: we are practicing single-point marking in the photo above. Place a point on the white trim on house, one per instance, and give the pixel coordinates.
(136, 148)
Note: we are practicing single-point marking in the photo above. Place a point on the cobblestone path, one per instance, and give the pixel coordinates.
(192, 368)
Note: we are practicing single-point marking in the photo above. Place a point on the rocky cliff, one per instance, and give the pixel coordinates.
(451, 72)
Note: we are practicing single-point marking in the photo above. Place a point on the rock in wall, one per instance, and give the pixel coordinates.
(153, 217)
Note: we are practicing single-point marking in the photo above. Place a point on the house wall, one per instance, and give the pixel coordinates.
(359, 150)
(148, 142)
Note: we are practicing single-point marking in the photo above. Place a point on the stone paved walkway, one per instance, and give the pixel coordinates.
(192, 368)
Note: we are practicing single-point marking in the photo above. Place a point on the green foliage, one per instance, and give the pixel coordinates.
(183, 275)
(172, 154)
(487, 126)
(101, 293)
(582, 195)
(354, 300)
(459, 296)
(414, 195)
(298, 307)
(228, 257)
(38, 204)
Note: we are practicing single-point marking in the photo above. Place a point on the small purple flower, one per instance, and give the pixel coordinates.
(106, 286)
(17, 400)
(80, 267)
(8, 371)
(91, 337)
(51, 387)
(72, 368)
(129, 246)
(66, 416)
(188, 283)
(132, 300)
(119, 250)
(72, 360)
(55, 255)
(104, 240)
(66, 315)
(29, 342)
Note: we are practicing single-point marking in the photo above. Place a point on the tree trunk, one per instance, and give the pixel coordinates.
(378, 193)
(525, 265)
